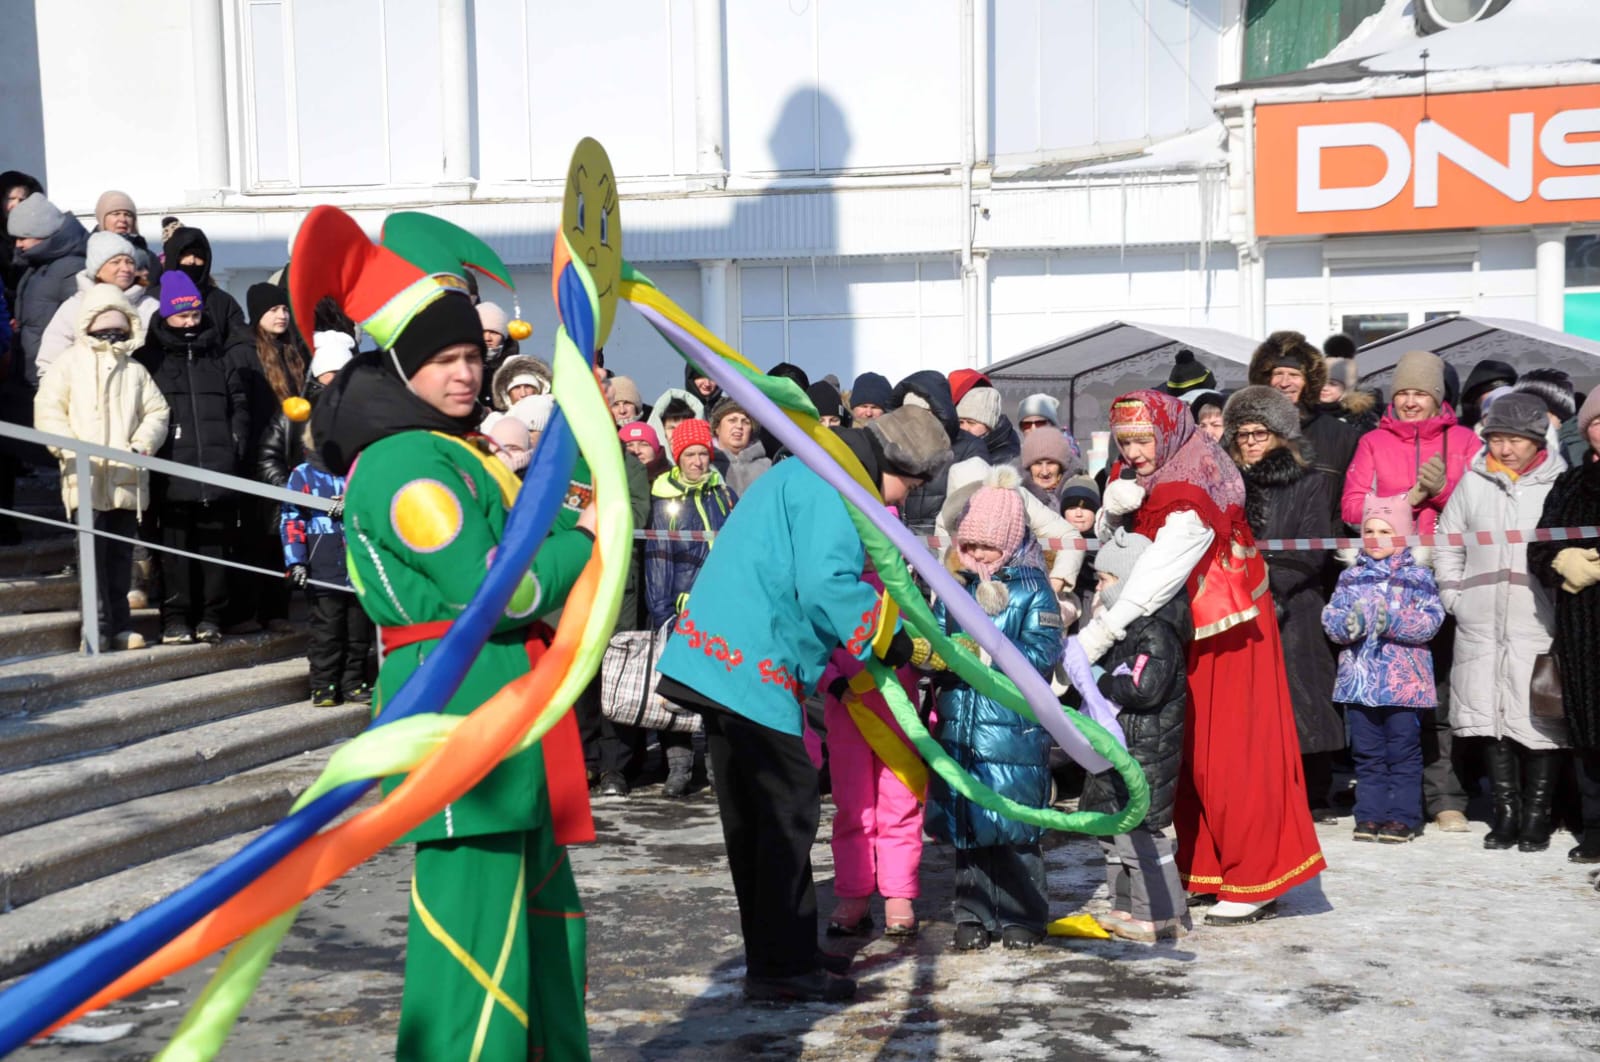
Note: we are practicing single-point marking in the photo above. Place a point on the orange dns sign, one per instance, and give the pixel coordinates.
(1516, 157)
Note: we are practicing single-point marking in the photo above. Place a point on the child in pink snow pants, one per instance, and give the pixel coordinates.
(877, 824)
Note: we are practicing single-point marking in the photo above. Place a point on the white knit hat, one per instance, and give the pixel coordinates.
(332, 351)
(493, 318)
(103, 247)
(981, 404)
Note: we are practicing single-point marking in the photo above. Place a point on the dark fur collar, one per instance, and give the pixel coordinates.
(1277, 469)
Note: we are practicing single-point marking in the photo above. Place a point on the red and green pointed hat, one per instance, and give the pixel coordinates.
(408, 293)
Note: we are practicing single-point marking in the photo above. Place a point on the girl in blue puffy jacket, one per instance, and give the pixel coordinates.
(1000, 875)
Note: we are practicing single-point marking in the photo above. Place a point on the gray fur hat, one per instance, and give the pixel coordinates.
(1518, 413)
(913, 440)
(1266, 406)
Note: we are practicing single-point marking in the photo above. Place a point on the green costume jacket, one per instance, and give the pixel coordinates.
(423, 520)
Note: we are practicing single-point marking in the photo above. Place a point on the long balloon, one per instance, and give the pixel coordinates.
(1087, 742)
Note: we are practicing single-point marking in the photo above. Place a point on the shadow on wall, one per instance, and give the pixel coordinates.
(21, 99)
(810, 138)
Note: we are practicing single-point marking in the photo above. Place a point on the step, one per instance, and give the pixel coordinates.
(39, 633)
(46, 859)
(38, 593)
(33, 935)
(125, 716)
(38, 556)
(190, 757)
(31, 686)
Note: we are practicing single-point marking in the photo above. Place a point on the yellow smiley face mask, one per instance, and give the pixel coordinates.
(589, 220)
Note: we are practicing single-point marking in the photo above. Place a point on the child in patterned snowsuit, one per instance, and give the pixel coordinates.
(314, 551)
(1385, 611)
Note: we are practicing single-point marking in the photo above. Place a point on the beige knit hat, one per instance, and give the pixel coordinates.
(1420, 370)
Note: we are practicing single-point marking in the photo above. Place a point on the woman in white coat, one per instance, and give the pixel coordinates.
(97, 392)
(1504, 619)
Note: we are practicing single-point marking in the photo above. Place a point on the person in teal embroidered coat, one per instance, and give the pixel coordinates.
(780, 592)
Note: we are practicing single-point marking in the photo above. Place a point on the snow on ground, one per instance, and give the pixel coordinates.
(1432, 950)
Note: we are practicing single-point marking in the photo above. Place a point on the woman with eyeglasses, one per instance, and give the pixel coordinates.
(1284, 498)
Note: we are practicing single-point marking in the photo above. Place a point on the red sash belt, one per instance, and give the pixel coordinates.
(566, 779)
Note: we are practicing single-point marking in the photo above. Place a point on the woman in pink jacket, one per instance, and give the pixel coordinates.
(1417, 449)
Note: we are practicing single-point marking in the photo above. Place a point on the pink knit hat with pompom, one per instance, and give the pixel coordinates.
(994, 518)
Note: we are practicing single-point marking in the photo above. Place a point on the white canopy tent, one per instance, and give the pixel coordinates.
(1466, 339)
(1087, 371)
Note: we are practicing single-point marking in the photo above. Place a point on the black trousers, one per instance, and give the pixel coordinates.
(1002, 885)
(200, 528)
(767, 794)
(341, 639)
(257, 543)
(113, 567)
(607, 747)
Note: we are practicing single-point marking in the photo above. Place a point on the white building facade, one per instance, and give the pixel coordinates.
(890, 185)
(887, 185)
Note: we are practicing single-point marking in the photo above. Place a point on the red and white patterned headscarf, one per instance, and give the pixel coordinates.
(1184, 454)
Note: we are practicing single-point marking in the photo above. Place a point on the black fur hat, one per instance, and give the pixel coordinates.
(1554, 387)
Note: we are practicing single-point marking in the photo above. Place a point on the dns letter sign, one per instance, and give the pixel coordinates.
(1518, 157)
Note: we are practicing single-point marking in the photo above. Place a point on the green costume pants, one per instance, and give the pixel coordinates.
(495, 953)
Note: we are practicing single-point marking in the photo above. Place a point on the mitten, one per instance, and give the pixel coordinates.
(1380, 616)
(1096, 638)
(1122, 496)
(1430, 477)
(337, 512)
(299, 575)
(1579, 568)
(1354, 623)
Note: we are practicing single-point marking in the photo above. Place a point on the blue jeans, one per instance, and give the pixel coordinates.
(1386, 744)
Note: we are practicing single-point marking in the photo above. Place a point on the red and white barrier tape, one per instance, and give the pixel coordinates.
(1469, 538)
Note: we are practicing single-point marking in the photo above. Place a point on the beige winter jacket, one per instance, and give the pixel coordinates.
(97, 392)
(62, 331)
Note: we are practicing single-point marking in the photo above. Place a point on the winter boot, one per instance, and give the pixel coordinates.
(1506, 781)
(1588, 847)
(1540, 768)
(680, 763)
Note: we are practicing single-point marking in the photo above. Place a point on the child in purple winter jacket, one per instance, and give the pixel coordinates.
(1385, 611)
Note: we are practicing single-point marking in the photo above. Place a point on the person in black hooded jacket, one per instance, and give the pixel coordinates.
(210, 429)
(931, 390)
(188, 250)
(703, 387)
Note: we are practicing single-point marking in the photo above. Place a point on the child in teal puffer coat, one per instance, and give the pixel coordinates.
(1000, 876)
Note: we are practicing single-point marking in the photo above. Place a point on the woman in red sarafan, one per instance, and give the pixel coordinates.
(1243, 829)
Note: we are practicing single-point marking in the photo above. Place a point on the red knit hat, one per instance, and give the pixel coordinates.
(689, 433)
(964, 380)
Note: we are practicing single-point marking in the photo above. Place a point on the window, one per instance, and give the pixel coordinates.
(1070, 75)
(1285, 35)
(332, 96)
(1583, 261)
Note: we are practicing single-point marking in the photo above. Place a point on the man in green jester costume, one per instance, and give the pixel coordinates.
(495, 958)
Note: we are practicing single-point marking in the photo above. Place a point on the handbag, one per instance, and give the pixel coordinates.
(1544, 689)
(628, 679)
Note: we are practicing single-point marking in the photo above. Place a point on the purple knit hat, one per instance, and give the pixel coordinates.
(178, 294)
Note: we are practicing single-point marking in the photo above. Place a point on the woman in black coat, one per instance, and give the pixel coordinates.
(1286, 498)
(1570, 570)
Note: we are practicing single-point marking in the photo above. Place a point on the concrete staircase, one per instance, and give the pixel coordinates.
(123, 776)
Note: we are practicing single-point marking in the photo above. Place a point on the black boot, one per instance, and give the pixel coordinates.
(1539, 770)
(1506, 780)
(680, 763)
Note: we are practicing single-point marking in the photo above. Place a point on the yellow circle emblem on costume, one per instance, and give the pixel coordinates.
(425, 515)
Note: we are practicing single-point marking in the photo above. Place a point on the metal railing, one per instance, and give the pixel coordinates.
(88, 578)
